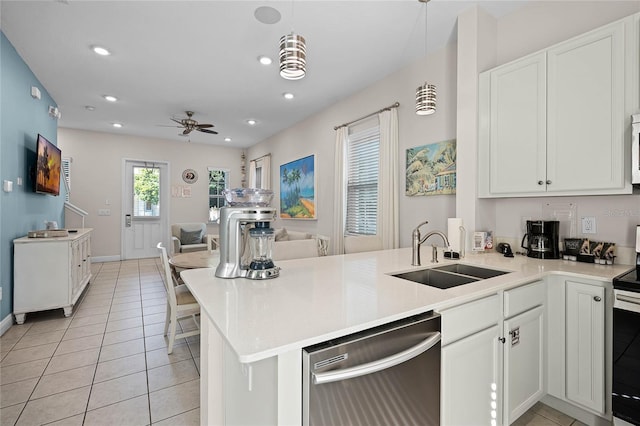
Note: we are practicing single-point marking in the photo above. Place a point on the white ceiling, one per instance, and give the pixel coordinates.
(172, 56)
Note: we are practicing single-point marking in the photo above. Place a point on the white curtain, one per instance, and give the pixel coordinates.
(261, 166)
(252, 174)
(388, 221)
(337, 239)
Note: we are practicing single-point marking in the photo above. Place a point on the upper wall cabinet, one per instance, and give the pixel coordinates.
(553, 123)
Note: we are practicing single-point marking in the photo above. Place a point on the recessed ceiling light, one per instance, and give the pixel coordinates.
(117, 125)
(251, 122)
(288, 95)
(100, 50)
(227, 139)
(110, 98)
(89, 107)
(265, 60)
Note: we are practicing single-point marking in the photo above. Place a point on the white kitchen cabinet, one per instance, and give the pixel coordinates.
(523, 362)
(495, 370)
(50, 273)
(471, 374)
(471, 363)
(585, 345)
(517, 126)
(553, 123)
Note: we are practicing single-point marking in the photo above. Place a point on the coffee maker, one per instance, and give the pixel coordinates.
(236, 224)
(542, 239)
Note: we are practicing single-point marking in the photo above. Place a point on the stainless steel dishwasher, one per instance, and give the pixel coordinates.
(388, 375)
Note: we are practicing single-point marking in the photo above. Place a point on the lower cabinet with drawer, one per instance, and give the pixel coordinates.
(493, 357)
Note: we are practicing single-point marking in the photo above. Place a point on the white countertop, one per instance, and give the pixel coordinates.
(317, 299)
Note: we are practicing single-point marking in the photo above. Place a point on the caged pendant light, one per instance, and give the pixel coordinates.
(293, 55)
(426, 93)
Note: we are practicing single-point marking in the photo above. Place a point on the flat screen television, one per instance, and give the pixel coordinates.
(48, 167)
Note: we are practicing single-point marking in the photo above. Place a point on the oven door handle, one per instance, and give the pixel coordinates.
(378, 365)
(628, 299)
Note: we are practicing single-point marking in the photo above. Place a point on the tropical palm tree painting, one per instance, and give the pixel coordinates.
(431, 169)
(298, 189)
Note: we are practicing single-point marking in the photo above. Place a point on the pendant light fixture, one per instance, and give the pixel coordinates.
(426, 93)
(293, 55)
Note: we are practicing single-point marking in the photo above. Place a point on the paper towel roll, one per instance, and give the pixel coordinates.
(454, 233)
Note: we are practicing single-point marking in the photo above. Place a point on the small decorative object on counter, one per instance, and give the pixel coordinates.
(584, 250)
(482, 240)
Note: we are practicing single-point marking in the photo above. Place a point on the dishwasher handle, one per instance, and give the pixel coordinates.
(378, 365)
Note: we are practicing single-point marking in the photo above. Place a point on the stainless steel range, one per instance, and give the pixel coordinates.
(626, 345)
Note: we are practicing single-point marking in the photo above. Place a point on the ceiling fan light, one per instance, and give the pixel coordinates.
(426, 99)
(293, 53)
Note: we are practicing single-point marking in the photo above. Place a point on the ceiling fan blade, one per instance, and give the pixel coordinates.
(186, 131)
(168, 125)
(213, 132)
(204, 125)
(177, 121)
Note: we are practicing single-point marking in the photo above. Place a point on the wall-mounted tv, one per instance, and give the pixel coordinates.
(48, 167)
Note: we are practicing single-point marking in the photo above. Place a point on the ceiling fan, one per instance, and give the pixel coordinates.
(189, 125)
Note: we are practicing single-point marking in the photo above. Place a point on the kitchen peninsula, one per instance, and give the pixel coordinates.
(253, 331)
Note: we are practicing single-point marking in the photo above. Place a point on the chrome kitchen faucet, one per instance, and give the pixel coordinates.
(417, 241)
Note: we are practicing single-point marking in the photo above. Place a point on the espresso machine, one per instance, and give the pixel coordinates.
(542, 239)
(241, 228)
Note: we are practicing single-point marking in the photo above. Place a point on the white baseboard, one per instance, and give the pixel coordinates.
(100, 259)
(6, 324)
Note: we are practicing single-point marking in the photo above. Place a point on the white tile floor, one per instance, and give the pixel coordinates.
(107, 364)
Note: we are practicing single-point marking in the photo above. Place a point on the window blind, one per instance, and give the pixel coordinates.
(363, 158)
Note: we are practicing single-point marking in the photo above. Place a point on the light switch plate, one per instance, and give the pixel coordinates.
(588, 225)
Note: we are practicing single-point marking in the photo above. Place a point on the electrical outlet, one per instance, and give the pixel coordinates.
(588, 225)
(104, 212)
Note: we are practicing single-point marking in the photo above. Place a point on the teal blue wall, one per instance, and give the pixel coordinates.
(21, 119)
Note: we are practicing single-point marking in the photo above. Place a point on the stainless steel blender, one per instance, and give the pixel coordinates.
(234, 223)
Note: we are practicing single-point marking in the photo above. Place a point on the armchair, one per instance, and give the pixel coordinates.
(188, 237)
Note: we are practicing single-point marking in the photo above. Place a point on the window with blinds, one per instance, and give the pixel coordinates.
(363, 158)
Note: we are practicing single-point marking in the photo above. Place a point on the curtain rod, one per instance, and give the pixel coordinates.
(395, 105)
(260, 158)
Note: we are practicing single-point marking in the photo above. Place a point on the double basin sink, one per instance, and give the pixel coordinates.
(449, 276)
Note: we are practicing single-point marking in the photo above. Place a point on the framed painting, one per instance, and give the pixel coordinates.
(298, 189)
(431, 169)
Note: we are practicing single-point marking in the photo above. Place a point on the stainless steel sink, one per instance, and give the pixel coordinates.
(434, 278)
(449, 276)
(472, 271)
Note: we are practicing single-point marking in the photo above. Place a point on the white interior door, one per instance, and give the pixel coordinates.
(145, 205)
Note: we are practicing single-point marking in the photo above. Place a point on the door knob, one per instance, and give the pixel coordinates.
(548, 182)
(540, 182)
(597, 298)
